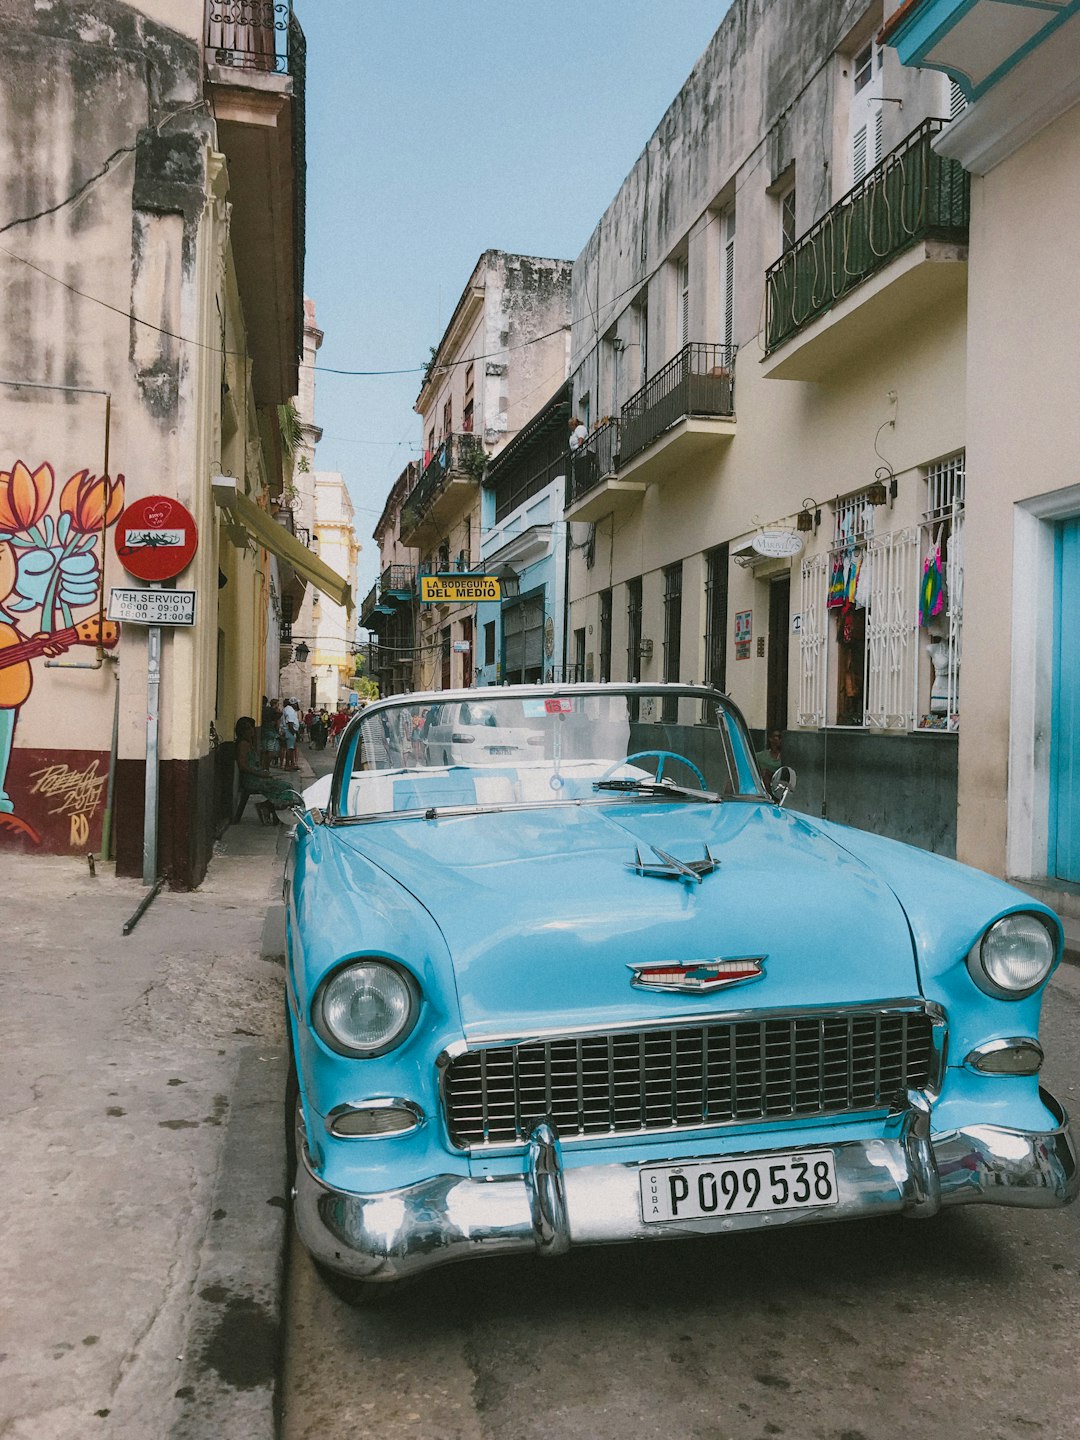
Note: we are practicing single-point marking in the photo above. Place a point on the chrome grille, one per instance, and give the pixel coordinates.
(723, 1073)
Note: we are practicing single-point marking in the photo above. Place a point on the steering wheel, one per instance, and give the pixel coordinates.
(662, 756)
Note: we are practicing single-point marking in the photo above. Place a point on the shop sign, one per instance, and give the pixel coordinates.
(459, 589)
(778, 544)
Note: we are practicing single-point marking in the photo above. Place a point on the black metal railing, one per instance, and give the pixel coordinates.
(699, 380)
(255, 35)
(913, 194)
(457, 455)
(371, 600)
(398, 580)
(594, 460)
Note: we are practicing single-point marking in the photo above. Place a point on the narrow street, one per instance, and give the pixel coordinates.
(963, 1326)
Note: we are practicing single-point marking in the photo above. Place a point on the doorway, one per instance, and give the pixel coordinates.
(776, 694)
(1063, 859)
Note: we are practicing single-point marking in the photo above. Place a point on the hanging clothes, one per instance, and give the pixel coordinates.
(932, 588)
(837, 584)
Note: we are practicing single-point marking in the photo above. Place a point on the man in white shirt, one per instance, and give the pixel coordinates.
(290, 727)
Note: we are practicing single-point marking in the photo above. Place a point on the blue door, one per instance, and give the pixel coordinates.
(1064, 849)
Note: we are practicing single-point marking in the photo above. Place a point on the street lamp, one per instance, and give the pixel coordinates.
(302, 652)
(509, 582)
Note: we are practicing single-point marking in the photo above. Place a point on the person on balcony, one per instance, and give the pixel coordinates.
(578, 432)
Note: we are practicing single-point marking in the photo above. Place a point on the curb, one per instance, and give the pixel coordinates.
(229, 1376)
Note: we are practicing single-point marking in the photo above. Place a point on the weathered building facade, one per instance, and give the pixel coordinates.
(389, 610)
(769, 354)
(1019, 767)
(152, 196)
(506, 347)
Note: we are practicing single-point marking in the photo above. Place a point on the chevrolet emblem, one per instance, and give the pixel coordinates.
(697, 976)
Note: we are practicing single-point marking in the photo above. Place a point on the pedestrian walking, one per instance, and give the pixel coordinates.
(290, 729)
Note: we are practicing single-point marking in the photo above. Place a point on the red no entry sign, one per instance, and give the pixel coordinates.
(156, 538)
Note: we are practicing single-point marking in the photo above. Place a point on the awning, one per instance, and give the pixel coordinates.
(286, 547)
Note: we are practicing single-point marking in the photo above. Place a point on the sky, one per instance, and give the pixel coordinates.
(436, 130)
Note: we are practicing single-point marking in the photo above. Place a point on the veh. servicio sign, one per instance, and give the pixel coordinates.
(458, 589)
(778, 544)
(153, 607)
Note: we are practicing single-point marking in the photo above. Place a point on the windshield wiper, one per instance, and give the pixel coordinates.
(631, 785)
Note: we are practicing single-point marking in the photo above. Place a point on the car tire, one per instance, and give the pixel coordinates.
(359, 1294)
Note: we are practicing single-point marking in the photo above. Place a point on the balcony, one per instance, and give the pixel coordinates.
(398, 582)
(593, 487)
(255, 58)
(894, 245)
(445, 485)
(367, 609)
(685, 412)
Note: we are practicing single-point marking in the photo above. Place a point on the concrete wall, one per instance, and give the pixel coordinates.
(1024, 441)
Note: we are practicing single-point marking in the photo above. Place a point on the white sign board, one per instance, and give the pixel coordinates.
(778, 544)
(152, 607)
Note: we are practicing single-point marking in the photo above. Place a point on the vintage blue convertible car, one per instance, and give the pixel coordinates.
(593, 983)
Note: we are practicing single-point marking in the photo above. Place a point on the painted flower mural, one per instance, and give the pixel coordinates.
(50, 562)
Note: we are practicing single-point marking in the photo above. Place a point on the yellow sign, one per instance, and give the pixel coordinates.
(458, 589)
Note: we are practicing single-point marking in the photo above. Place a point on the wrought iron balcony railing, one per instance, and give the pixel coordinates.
(595, 458)
(398, 580)
(461, 455)
(367, 609)
(257, 35)
(699, 380)
(913, 194)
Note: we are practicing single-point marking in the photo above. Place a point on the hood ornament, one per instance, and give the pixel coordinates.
(672, 869)
(697, 976)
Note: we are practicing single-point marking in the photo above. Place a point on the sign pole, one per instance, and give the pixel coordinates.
(150, 794)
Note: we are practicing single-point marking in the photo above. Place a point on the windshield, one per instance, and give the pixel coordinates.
(498, 749)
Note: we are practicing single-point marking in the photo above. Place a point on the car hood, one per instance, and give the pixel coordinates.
(543, 911)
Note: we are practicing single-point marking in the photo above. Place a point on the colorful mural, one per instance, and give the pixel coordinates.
(50, 570)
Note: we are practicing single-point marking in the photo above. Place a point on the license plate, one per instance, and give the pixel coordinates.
(704, 1189)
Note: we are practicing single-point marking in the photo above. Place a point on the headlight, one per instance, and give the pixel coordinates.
(365, 1008)
(1013, 958)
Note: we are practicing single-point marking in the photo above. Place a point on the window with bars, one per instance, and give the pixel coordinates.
(882, 614)
(941, 593)
(605, 636)
(633, 634)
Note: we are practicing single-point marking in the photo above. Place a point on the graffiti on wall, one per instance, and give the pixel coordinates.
(50, 574)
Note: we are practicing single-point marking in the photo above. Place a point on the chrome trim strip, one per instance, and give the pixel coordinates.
(994, 1047)
(699, 1017)
(543, 1209)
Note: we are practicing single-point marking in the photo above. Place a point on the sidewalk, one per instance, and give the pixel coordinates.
(143, 1143)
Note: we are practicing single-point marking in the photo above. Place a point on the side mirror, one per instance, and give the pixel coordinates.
(308, 818)
(782, 783)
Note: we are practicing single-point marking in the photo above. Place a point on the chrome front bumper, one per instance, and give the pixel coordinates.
(547, 1208)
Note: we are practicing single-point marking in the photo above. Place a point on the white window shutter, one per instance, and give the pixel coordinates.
(859, 158)
(813, 635)
(878, 131)
(891, 631)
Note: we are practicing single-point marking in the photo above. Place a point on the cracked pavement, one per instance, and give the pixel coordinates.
(119, 1059)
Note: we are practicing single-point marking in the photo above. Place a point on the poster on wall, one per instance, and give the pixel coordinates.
(744, 630)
